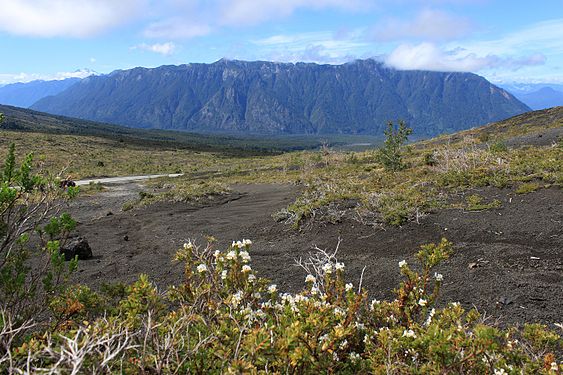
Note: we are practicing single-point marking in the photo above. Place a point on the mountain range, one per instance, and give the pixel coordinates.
(261, 97)
(538, 95)
(25, 94)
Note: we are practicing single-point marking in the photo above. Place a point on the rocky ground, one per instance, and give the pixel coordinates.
(508, 261)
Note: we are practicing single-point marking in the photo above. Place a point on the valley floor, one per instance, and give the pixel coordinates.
(508, 261)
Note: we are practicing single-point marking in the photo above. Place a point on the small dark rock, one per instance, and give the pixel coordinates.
(77, 247)
(109, 213)
(126, 238)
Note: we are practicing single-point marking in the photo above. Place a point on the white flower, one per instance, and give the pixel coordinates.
(409, 333)
(430, 316)
(236, 298)
(422, 302)
(188, 245)
(402, 263)
(246, 268)
(349, 287)
(554, 366)
(343, 344)
(245, 256)
(272, 288)
(246, 242)
(216, 253)
(339, 312)
(310, 279)
(354, 357)
(231, 255)
(372, 304)
(327, 268)
(201, 268)
(438, 276)
(251, 278)
(315, 290)
(500, 371)
(339, 266)
(223, 274)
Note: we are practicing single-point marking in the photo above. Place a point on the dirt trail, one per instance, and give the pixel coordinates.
(508, 261)
(145, 240)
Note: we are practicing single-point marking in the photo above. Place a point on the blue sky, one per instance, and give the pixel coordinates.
(505, 41)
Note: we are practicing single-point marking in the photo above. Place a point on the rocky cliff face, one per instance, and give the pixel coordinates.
(281, 98)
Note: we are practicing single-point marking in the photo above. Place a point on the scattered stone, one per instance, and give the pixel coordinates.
(77, 247)
(473, 265)
(109, 213)
(126, 238)
(504, 301)
(534, 258)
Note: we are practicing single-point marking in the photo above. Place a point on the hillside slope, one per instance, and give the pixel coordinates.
(280, 98)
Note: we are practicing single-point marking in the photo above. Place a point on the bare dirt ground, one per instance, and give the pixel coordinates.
(508, 261)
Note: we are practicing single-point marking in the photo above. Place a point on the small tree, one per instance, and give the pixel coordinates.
(395, 137)
(32, 272)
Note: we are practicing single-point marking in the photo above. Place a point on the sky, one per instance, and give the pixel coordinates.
(504, 41)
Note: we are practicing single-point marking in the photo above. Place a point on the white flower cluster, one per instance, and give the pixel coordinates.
(236, 298)
(201, 268)
(372, 304)
(246, 268)
(422, 302)
(402, 263)
(409, 333)
(339, 266)
(438, 276)
(310, 279)
(349, 287)
(189, 245)
(241, 244)
(430, 316)
(245, 256)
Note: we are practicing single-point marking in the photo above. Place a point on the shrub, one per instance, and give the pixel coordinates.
(475, 203)
(395, 137)
(527, 187)
(225, 319)
(29, 204)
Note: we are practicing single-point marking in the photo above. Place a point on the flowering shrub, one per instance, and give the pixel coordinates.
(224, 318)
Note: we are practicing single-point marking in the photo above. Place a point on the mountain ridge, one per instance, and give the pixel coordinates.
(260, 97)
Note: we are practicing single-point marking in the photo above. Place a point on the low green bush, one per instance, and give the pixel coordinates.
(223, 318)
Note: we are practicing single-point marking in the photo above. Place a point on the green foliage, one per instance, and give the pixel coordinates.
(475, 203)
(27, 200)
(391, 152)
(527, 187)
(223, 318)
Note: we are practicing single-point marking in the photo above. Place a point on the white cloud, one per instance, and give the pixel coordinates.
(7, 78)
(177, 28)
(544, 36)
(319, 47)
(165, 49)
(428, 56)
(66, 18)
(429, 24)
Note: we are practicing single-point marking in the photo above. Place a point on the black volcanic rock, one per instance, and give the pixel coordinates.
(284, 98)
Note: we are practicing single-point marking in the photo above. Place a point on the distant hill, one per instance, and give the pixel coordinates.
(546, 97)
(26, 120)
(282, 98)
(25, 94)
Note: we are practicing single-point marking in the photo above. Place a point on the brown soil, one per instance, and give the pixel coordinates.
(515, 251)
